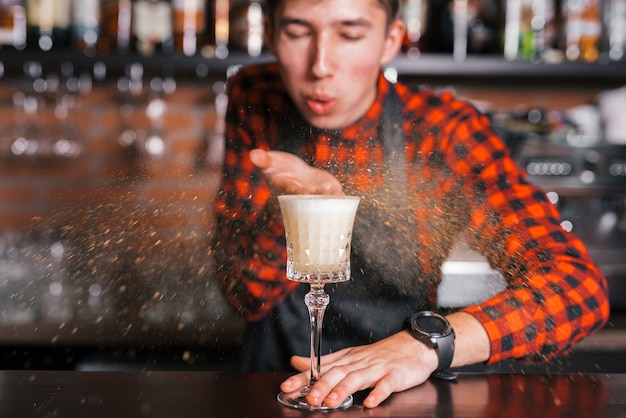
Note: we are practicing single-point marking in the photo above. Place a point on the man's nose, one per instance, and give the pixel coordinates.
(322, 59)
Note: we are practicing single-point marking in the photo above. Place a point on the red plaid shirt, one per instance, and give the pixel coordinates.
(459, 171)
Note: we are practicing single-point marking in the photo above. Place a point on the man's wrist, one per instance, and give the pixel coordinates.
(427, 356)
(435, 332)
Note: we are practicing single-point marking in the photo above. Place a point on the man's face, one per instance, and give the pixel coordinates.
(330, 53)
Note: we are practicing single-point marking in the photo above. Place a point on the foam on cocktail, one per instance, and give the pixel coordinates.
(318, 229)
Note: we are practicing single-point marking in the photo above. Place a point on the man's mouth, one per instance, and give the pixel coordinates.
(319, 105)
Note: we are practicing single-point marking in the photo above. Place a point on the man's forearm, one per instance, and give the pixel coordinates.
(471, 343)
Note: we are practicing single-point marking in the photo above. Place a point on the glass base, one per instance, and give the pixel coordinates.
(297, 400)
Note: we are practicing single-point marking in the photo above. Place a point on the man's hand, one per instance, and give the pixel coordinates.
(394, 364)
(288, 174)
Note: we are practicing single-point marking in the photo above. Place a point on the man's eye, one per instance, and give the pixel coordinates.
(296, 35)
(296, 32)
(352, 36)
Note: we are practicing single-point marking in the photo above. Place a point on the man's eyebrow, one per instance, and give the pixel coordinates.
(354, 22)
(285, 21)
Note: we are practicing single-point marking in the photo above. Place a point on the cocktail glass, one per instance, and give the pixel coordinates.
(318, 230)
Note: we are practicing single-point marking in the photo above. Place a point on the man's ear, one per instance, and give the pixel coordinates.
(393, 43)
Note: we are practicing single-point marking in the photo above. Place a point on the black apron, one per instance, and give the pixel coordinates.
(385, 286)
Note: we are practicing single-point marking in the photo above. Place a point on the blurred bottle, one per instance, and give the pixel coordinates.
(218, 29)
(530, 30)
(28, 102)
(18, 278)
(66, 100)
(85, 25)
(189, 26)
(485, 26)
(478, 26)
(152, 26)
(438, 35)
(115, 27)
(460, 22)
(414, 15)
(131, 88)
(12, 24)
(246, 27)
(583, 29)
(48, 24)
(615, 29)
(156, 143)
(58, 302)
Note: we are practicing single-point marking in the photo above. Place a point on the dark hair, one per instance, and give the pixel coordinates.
(392, 7)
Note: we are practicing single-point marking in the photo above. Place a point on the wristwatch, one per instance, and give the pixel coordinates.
(435, 331)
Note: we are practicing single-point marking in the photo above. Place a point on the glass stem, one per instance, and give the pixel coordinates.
(316, 300)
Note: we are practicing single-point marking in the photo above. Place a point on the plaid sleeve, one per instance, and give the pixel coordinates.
(556, 295)
(249, 243)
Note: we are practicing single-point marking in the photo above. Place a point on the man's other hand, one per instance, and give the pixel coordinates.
(288, 174)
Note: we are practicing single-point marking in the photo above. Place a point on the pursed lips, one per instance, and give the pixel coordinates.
(320, 104)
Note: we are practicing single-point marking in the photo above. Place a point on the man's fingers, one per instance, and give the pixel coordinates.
(289, 174)
(260, 158)
(279, 159)
(301, 363)
(296, 382)
(336, 385)
(381, 391)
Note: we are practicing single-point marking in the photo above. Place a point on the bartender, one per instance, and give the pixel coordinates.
(430, 171)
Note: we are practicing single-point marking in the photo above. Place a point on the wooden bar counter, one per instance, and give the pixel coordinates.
(175, 394)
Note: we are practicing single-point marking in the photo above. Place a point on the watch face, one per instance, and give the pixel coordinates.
(432, 324)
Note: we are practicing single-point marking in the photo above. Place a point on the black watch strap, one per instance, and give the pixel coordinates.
(445, 350)
(435, 331)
